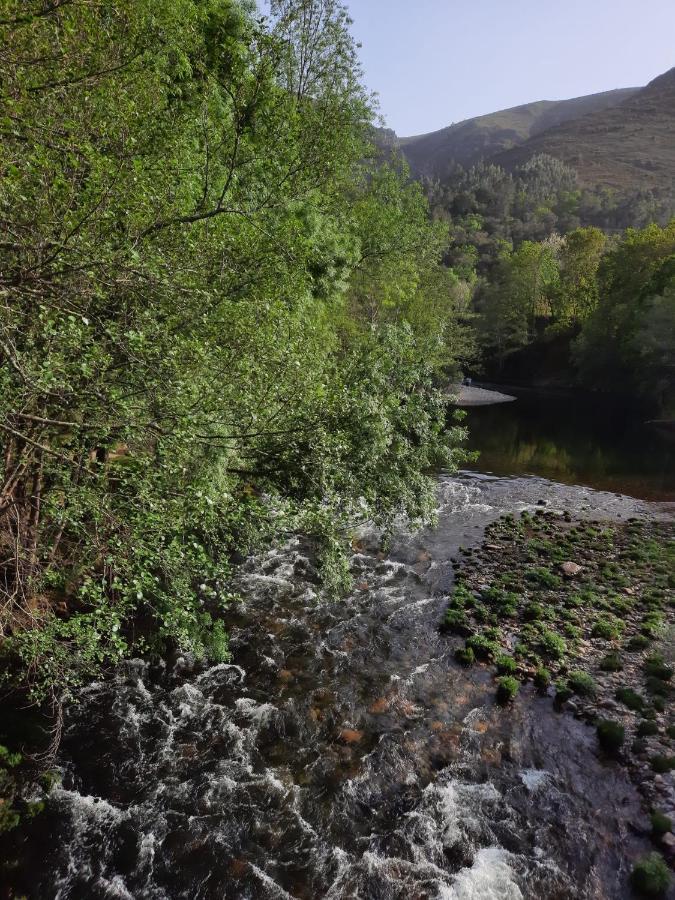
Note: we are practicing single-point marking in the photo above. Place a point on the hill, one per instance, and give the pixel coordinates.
(624, 146)
(473, 140)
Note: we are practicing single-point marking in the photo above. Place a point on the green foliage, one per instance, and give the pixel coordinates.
(465, 656)
(222, 317)
(661, 823)
(656, 667)
(611, 735)
(506, 665)
(544, 577)
(611, 662)
(608, 629)
(630, 698)
(582, 683)
(662, 763)
(552, 645)
(483, 647)
(507, 688)
(651, 876)
(542, 678)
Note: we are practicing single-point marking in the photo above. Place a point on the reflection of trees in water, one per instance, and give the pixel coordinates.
(572, 444)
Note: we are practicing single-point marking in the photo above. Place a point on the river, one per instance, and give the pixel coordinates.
(342, 753)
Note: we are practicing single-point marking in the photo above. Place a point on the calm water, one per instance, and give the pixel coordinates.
(574, 440)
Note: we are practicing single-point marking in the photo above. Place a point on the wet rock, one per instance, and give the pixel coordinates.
(350, 736)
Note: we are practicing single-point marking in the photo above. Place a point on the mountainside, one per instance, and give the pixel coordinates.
(483, 137)
(626, 146)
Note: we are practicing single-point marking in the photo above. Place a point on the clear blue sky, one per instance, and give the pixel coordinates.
(434, 62)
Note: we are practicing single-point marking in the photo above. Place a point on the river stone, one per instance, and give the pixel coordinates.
(570, 569)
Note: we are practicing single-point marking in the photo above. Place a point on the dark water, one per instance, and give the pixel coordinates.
(341, 754)
(575, 440)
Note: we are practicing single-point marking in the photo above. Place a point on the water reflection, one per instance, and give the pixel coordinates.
(574, 440)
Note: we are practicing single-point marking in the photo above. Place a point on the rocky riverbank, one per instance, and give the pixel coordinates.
(581, 611)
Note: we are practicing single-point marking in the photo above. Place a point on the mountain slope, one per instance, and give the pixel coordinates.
(470, 141)
(625, 147)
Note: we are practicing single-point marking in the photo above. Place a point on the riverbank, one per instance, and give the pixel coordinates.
(581, 612)
(468, 395)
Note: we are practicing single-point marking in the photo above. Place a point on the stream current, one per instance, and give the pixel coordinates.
(342, 753)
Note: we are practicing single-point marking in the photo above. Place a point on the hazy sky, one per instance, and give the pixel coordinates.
(434, 62)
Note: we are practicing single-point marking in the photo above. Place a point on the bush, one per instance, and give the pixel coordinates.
(629, 698)
(465, 656)
(611, 735)
(541, 575)
(533, 612)
(656, 686)
(563, 691)
(581, 683)
(507, 688)
(506, 665)
(662, 764)
(655, 667)
(651, 876)
(661, 823)
(552, 644)
(456, 622)
(637, 643)
(608, 629)
(647, 728)
(611, 663)
(483, 647)
(542, 678)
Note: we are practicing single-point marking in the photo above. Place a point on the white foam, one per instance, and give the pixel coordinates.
(490, 877)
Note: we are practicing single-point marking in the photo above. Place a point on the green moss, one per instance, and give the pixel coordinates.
(581, 683)
(552, 645)
(608, 629)
(456, 622)
(544, 577)
(483, 647)
(506, 665)
(507, 688)
(542, 678)
(650, 876)
(465, 656)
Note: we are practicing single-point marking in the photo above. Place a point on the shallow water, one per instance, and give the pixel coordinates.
(341, 754)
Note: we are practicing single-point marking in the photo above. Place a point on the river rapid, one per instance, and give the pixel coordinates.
(342, 753)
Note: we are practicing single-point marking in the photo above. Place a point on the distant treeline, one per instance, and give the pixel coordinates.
(548, 260)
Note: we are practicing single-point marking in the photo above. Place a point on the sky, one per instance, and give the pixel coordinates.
(435, 62)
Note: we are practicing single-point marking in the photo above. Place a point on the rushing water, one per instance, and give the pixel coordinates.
(577, 440)
(342, 754)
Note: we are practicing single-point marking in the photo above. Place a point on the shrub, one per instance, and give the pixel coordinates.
(482, 646)
(611, 662)
(541, 575)
(651, 876)
(465, 656)
(552, 644)
(507, 688)
(533, 612)
(662, 764)
(542, 678)
(506, 665)
(661, 823)
(657, 686)
(638, 642)
(656, 667)
(581, 683)
(647, 728)
(456, 621)
(563, 691)
(611, 735)
(629, 698)
(609, 629)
